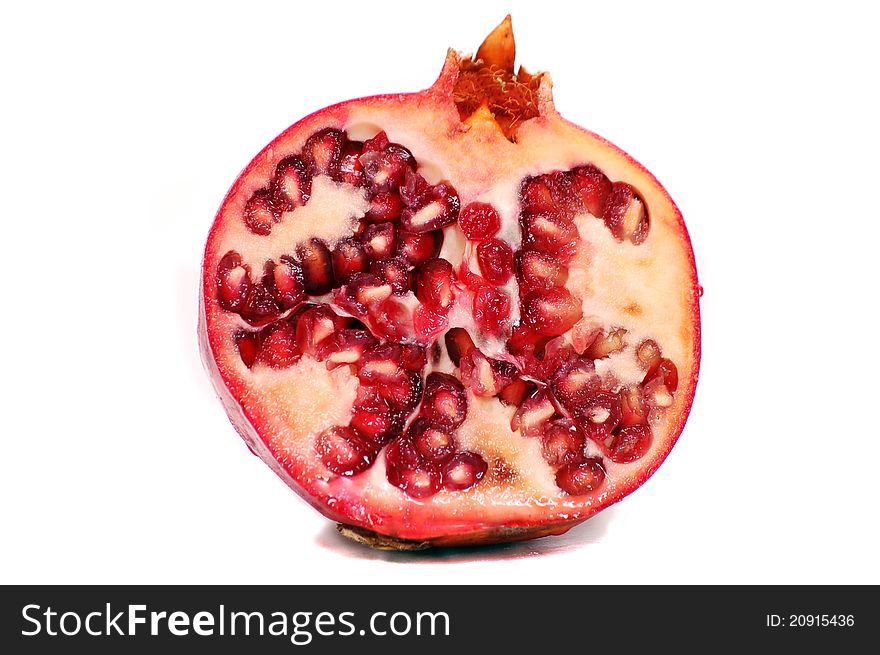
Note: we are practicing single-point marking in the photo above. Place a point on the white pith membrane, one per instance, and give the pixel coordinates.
(647, 289)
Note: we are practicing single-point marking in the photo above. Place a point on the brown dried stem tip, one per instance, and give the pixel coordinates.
(499, 48)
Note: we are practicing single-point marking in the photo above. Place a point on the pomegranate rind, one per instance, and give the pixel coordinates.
(497, 510)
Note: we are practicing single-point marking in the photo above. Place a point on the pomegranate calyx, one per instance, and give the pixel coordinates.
(486, 83)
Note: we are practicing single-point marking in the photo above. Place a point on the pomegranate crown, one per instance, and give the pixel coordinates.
(487, 87)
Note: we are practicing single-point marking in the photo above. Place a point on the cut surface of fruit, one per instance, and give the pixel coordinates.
(452, 317)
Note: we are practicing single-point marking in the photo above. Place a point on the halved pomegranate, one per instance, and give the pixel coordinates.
(452, 317)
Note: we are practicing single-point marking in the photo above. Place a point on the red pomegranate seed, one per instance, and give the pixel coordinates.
(531, 364)
(648, 354)
(363, 292)
(551, 312)
(343, 451)
(433, 444)
(665, 370)
(412, 357)
(463, 471)
(471, 280)
(350, 170)
(368, 289)
(317, 267)
(516, 392)
(385, 168)
(491, 310)
(591, 188)
(575, 384)
(345, 347)
(562, 443)
(529, 419)
(434, 285)
(344, 298)
(377, 425)
(437, 209)
(392, 319)
(404, 394)
(377, 143)
(260, 213)
(381, 363)
(629, 444)
(233, 282)
(445, 401)
(598, 416)
(581, 478)
(538, 270)
(415, 191)
(632, 407)
(657, 394)
(626, 214)
(384, 206)
(347, 258)
(562, 191)
(526, 342)
(418, 248)
(557, 352)
(479, 221)
(557, 355)
(584, 334)
(407, 470)
(278, 347)
(247, 347)
(428, 323)
(418, 482)
(291, 184)
(260, 306)
(314, 326)
(395, 272)
(368, 396)
(496, 261)
(485, 376)
(458, 344)
(537, 197)
(553, 234)
(380, 240)
(322, 150)
(284, 281)
(286, 278)
(402, 454)
(476, 373)
(505, 373)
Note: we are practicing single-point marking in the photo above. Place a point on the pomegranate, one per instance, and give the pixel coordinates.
(452, 317)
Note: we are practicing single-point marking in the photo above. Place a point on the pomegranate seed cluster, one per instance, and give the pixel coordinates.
(379, 302)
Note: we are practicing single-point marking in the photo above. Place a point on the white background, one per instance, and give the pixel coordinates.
(123, 126)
